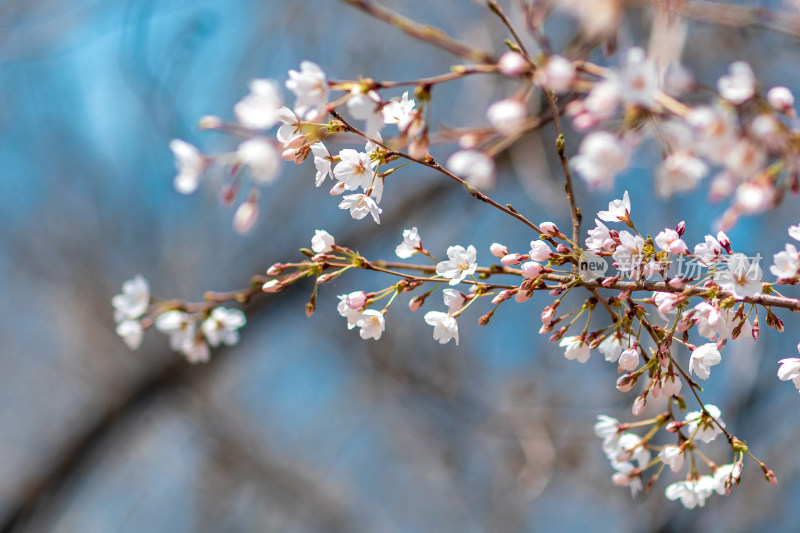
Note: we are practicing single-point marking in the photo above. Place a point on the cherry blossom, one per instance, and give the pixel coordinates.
(628, 254)
(794, 232)
(600, 158)
(366, 107)
(372, 324)
(790, 370)
(576, 348)
(787, 263)
(322, 242)
(672, 456)
(741, 278)
(355, 169)
(599, 239)
(190, 163)
(260, 109)
(540, 251)
(461, 264)
(639, 78)
(739, 84)
(322, 162)
(360, 205)
(445, 326)
(507, 115)
(310, 86)
(222, 326)
(131, 333)
(669, 241)
(411, 244)
(352, 315)
(708, 252)
(260, 155)
(557, 74)
(134, 300)
(688, 492)
(475, 167)
(703, 358)
(618, 210)
(709, 430)
(399, 112)
(781, 99)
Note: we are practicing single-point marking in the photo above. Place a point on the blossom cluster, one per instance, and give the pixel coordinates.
(661, 342)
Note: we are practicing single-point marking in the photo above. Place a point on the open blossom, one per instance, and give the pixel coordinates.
(602, 101)
(703, 358)
(366, 107)
(708, 428)
(223, 325)
(355, 169)
(371, 323)
(475, 167)
(411, 244)
(460, 265)
(576, 348)
(260, 155)
(601, 156)
(669, 241)
(131, 333)
(183, 335)
(291, 127)
(681, 171)
(613, 346)
(672, 456)
(787, 263)
(454, 300)
(690, 493)
(794, 232)
(134, 300)
(190, 163)
(627, 475)
(322, 162)
(708, 252)
(790, 370)
(310, 86)
(630, 448)
(639, 78)
(399, 112)
(739, 84)
(506, 115)
(608, 429)
(445, 327)
(322, 241)
(360, 205)
(259, 109)
(741, 278)
(666, 302)
(599, 239)
(618, 210)
(628, 254)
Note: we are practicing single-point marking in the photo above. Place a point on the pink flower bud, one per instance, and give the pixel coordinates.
(562, 248)
(531, 269)
(512, 64)
(549, 229)
(523, 296)
(680, 228)
(677, 283)
(547, 315)
(338, 189)
(483, 320)
(356, 300)
(498, 250)
(273, 285)
(724, 241)
(625, 383)
(629, 359)
(246, 217)
(781, 99)
(638, 405)
(513, 259)
(290, 154)
(275, 269)
(415, 303)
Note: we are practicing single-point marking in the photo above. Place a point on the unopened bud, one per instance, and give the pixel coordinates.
(608, 282)
(356, 300)
(724, 241)
(531, 269)
(275, 269)
(209, 122)
(755, 328)
(680, 228)
(514, 259)
(677, 283)
(549, 229)
(246, 216)
(625, 383)
(499, 250)
(416, 302)
(638, 405)
(337, 189)
(563, 248)
(512, 64)
(547, 314)
(781, 99)
(769, 475)
(482, 321)
(273, 285)
(523, 296)
(311, 307)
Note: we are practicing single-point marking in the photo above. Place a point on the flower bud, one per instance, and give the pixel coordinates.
(781, 99)
(246, 217)
(416, 302)
(724, 241)
(337, 189)
(498, 250)
(629, 359)
(625, 383)
(638, 405)
(523, 296)
(562, 248)
(483, 320)
(273, 285)
(680, 229)
(275, 269)
(512, 64)
(549, 229)
(356, 300)
(514, 259)
(531, 269)
(547, 315)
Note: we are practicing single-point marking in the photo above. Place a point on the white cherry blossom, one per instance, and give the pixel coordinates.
(708, 252)
(454, 300)
(787, 263)
(507, 115)
(260, 155)
(794, 232)
(322, 241)
(366, 107)
(790, 370)
(575, 348)
(669, 241)
(134, 300)
(601, 156)
(399, 112)
(361, 205)
(461, 264)
(190, 163)
(540, 251)
(445, 327)
(131, 333)
(739, 84)
(599, 239)
(372, 324)
(310, 86)
(352, 315)
(322, 162)
(475, 167)
(411, 244)
(703, 358)
(708, 428)
(741, 278)
(672, 456)
(259, 109)
(222, 326)
(355, 169)
(618, 210)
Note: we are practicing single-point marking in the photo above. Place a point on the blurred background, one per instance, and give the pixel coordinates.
(304, 427)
